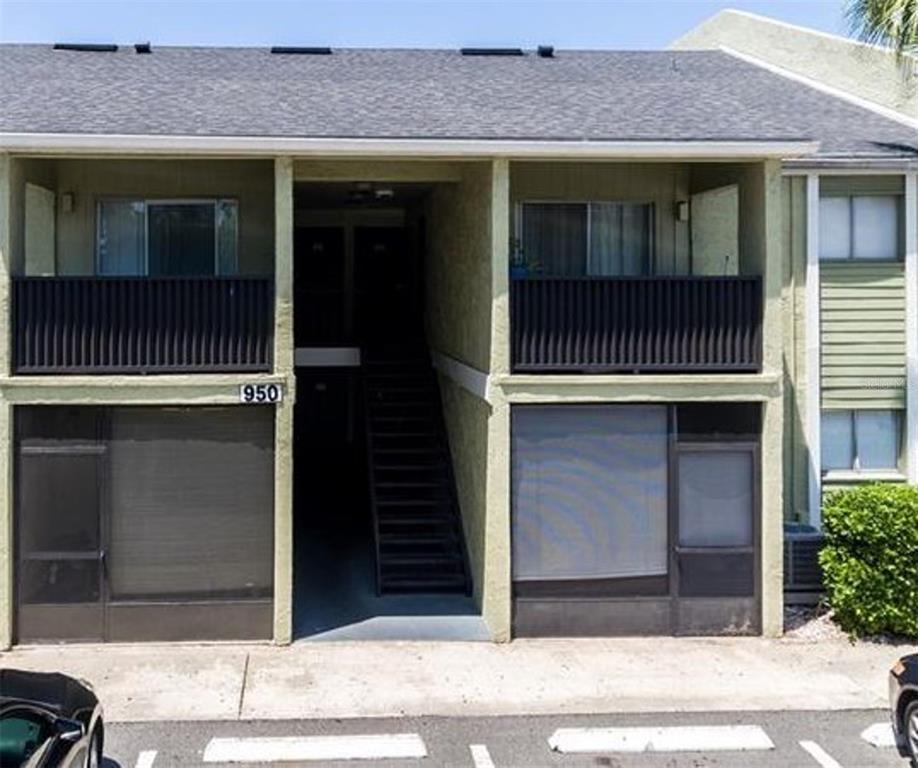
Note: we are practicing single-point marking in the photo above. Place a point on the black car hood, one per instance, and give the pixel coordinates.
(53, 691)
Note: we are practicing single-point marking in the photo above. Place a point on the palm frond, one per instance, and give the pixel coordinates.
(890, 23)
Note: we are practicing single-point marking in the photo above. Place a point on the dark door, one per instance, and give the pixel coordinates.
(715, 538)
(387, 279)
(60, 474)
(320, 299)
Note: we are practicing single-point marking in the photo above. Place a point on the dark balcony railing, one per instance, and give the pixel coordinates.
(636, 324)
(142, 325)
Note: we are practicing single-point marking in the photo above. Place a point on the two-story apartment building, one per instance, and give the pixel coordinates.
(533, 330)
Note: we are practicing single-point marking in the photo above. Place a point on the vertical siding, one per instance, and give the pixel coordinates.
(862, 316)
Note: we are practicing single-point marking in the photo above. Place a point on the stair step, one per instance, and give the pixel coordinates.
(437, 503)
(427, 521)
(420, 559)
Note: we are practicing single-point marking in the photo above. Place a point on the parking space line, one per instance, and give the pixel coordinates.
(879, 735)
(480, 756)
(820, 755)
(268, 749)
(699, 738)
(145, 759)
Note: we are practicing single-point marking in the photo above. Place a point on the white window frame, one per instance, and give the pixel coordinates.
(851, 257)
(855, 472)
(588, 203)
(147, 202)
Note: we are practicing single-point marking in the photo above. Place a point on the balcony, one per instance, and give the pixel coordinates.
(138, 325)
(654, 324)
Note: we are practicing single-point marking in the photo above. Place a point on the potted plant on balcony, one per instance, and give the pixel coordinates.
(521, 267)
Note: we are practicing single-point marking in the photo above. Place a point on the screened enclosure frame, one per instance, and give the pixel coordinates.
(651, 262)
(214, 201)
(634, 600)
(176, 615)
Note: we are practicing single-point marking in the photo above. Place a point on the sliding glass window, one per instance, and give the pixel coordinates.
(167, 238)
(603, 239)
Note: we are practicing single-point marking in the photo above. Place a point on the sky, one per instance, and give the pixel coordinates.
(610, 24)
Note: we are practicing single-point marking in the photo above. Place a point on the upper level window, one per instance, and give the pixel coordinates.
(167, 238)
(864, 227)
(579, 239)
(861, 440)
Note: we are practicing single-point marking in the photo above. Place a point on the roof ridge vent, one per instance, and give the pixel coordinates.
(301, 50)
(491, 51)
(546, 51)
(143, 48)
(88, 47)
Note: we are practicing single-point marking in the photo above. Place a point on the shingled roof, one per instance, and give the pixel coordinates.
(431, 94)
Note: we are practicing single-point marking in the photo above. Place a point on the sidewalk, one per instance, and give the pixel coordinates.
(377, 679)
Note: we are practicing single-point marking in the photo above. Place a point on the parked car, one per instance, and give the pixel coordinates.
(903, 698)
(49, 720)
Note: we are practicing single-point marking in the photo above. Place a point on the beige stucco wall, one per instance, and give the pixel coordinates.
(91, 180)
(662, 184)
(458, 267)
(865, 71)
(466, 419)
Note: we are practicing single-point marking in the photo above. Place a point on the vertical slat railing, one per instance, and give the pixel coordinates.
(142, 325)
(636, 324)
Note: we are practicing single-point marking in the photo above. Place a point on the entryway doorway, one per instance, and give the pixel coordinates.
(379, 545)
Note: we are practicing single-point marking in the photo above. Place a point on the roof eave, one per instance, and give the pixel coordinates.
(269, 146)
(852, 164)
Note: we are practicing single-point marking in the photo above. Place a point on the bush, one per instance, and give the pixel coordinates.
(870, 561)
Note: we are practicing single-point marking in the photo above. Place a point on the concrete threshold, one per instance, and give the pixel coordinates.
(350, 679)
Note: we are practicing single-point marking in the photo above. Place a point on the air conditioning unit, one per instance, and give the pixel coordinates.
(802, 574)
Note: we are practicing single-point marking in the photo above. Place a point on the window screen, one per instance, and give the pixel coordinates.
(555, 239)
(191, 498)
(589, 492)
(864, 227)
(122, 238)
(715, 498)
(860, 440)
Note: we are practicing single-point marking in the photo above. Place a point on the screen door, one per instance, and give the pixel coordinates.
(61, 464)
(716, 538)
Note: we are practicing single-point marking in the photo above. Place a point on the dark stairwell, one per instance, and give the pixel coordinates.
(416, 518)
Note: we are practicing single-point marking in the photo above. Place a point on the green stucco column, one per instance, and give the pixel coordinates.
(497, 592)
(772, 531)
(6, 446)
(283, 425)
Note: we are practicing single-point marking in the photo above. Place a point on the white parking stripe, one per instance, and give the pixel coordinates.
(820, 755)
(879, 735)
(307, 748)
(699, 738)
(480, 756)
(145, 759)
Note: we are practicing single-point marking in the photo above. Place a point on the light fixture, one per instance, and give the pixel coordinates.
(67, 202)
(682, 210)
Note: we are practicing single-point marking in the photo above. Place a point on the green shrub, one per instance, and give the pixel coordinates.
(870, 561)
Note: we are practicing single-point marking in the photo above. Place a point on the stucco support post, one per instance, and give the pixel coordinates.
(283, 425)
(6, 444)
(497, 594)
(772, 531)
(911, 325)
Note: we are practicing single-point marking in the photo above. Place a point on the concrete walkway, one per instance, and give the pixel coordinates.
(376, 679)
